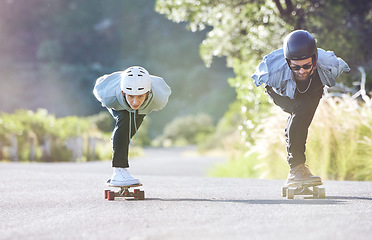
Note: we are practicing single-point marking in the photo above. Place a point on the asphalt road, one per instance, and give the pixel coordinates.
(66, 201)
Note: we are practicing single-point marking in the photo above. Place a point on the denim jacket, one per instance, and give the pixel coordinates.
(275, 72)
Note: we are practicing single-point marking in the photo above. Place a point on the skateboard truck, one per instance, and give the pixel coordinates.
(303, 189)
(124, 192)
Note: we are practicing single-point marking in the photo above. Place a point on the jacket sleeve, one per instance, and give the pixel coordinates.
(330, 67)
(261, 75)
(342, 67)
(161, 92)
(105, 90)
(272, 71)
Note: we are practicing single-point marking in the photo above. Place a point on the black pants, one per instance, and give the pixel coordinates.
(126, 125)
(301, 109)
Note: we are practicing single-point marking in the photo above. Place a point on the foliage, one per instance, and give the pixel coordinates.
(338, 145)
(53, 51)
(195, 90)
(254, 105)
(243, 167)
(103, 121)
(71, 126)
(244, 31)
(241, 29)
(223, 139)
(186, 130)
(141, 138)
(241, 32)
(40, 136)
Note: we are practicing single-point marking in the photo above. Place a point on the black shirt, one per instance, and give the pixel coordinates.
(315, 84)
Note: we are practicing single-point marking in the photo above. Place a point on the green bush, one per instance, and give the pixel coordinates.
(338, 145)
(186, 130)
(224, 138)
(40, 136)
(103, 121)
(141, 138)
(59, 152)
(25, 125)
(254, 103)
(238, 166)
(341, 140)
(33, 129)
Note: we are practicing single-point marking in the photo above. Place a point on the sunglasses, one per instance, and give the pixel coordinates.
(305, 67)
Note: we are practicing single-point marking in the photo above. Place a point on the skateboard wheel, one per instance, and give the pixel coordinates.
(284, 191)
(315, 192)
(321, 193)
(136, 193)
(290, 193)
(106, 193)
(141, 195)
(110, 195)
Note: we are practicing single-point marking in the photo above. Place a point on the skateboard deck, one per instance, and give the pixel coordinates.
(124, 192)
(293, 189)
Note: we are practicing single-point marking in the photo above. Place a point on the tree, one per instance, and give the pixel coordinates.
(244, 31)
(242, 28)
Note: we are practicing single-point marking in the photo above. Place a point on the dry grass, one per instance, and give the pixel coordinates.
(339, 144)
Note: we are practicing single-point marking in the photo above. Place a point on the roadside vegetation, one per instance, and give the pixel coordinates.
(339, 144)
(38, 136)
(244, 32)
(214, 103)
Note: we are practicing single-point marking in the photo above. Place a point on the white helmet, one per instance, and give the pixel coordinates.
(135, 81)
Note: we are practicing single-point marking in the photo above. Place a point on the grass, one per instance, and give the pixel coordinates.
(339, 145)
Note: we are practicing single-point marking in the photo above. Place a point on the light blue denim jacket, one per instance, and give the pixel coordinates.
(275, 72)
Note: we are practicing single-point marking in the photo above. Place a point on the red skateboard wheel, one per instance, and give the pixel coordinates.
(110, 195)
(106, 193)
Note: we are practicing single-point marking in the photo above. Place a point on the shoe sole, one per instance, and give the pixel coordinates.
(299, 184)
(121, 184)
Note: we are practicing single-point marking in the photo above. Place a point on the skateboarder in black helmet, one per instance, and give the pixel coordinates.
(294, 78)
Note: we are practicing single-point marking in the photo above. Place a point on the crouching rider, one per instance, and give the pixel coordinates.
(294, 77)
(129, 96)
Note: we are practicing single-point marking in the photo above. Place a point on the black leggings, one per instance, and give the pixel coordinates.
(121, 135)
(301, 109)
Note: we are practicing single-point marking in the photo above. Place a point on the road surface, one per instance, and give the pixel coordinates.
(65, 201)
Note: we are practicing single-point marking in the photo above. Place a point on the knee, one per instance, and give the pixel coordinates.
(304, 109)
(121, 118)
(284, 102)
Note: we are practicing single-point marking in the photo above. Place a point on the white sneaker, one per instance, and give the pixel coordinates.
(121, 177)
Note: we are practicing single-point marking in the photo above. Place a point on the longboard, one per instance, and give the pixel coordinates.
(293, 189)
(124, 192)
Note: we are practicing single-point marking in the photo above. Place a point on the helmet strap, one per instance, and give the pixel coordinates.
(313, 58)
(288, 62)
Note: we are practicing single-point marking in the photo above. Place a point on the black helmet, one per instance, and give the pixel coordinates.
(299, 45)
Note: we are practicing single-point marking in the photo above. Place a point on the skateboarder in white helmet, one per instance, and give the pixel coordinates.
(294, 77)
(129, 96)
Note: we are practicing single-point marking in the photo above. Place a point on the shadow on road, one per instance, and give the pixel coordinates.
(349, 198)
(327, 201)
